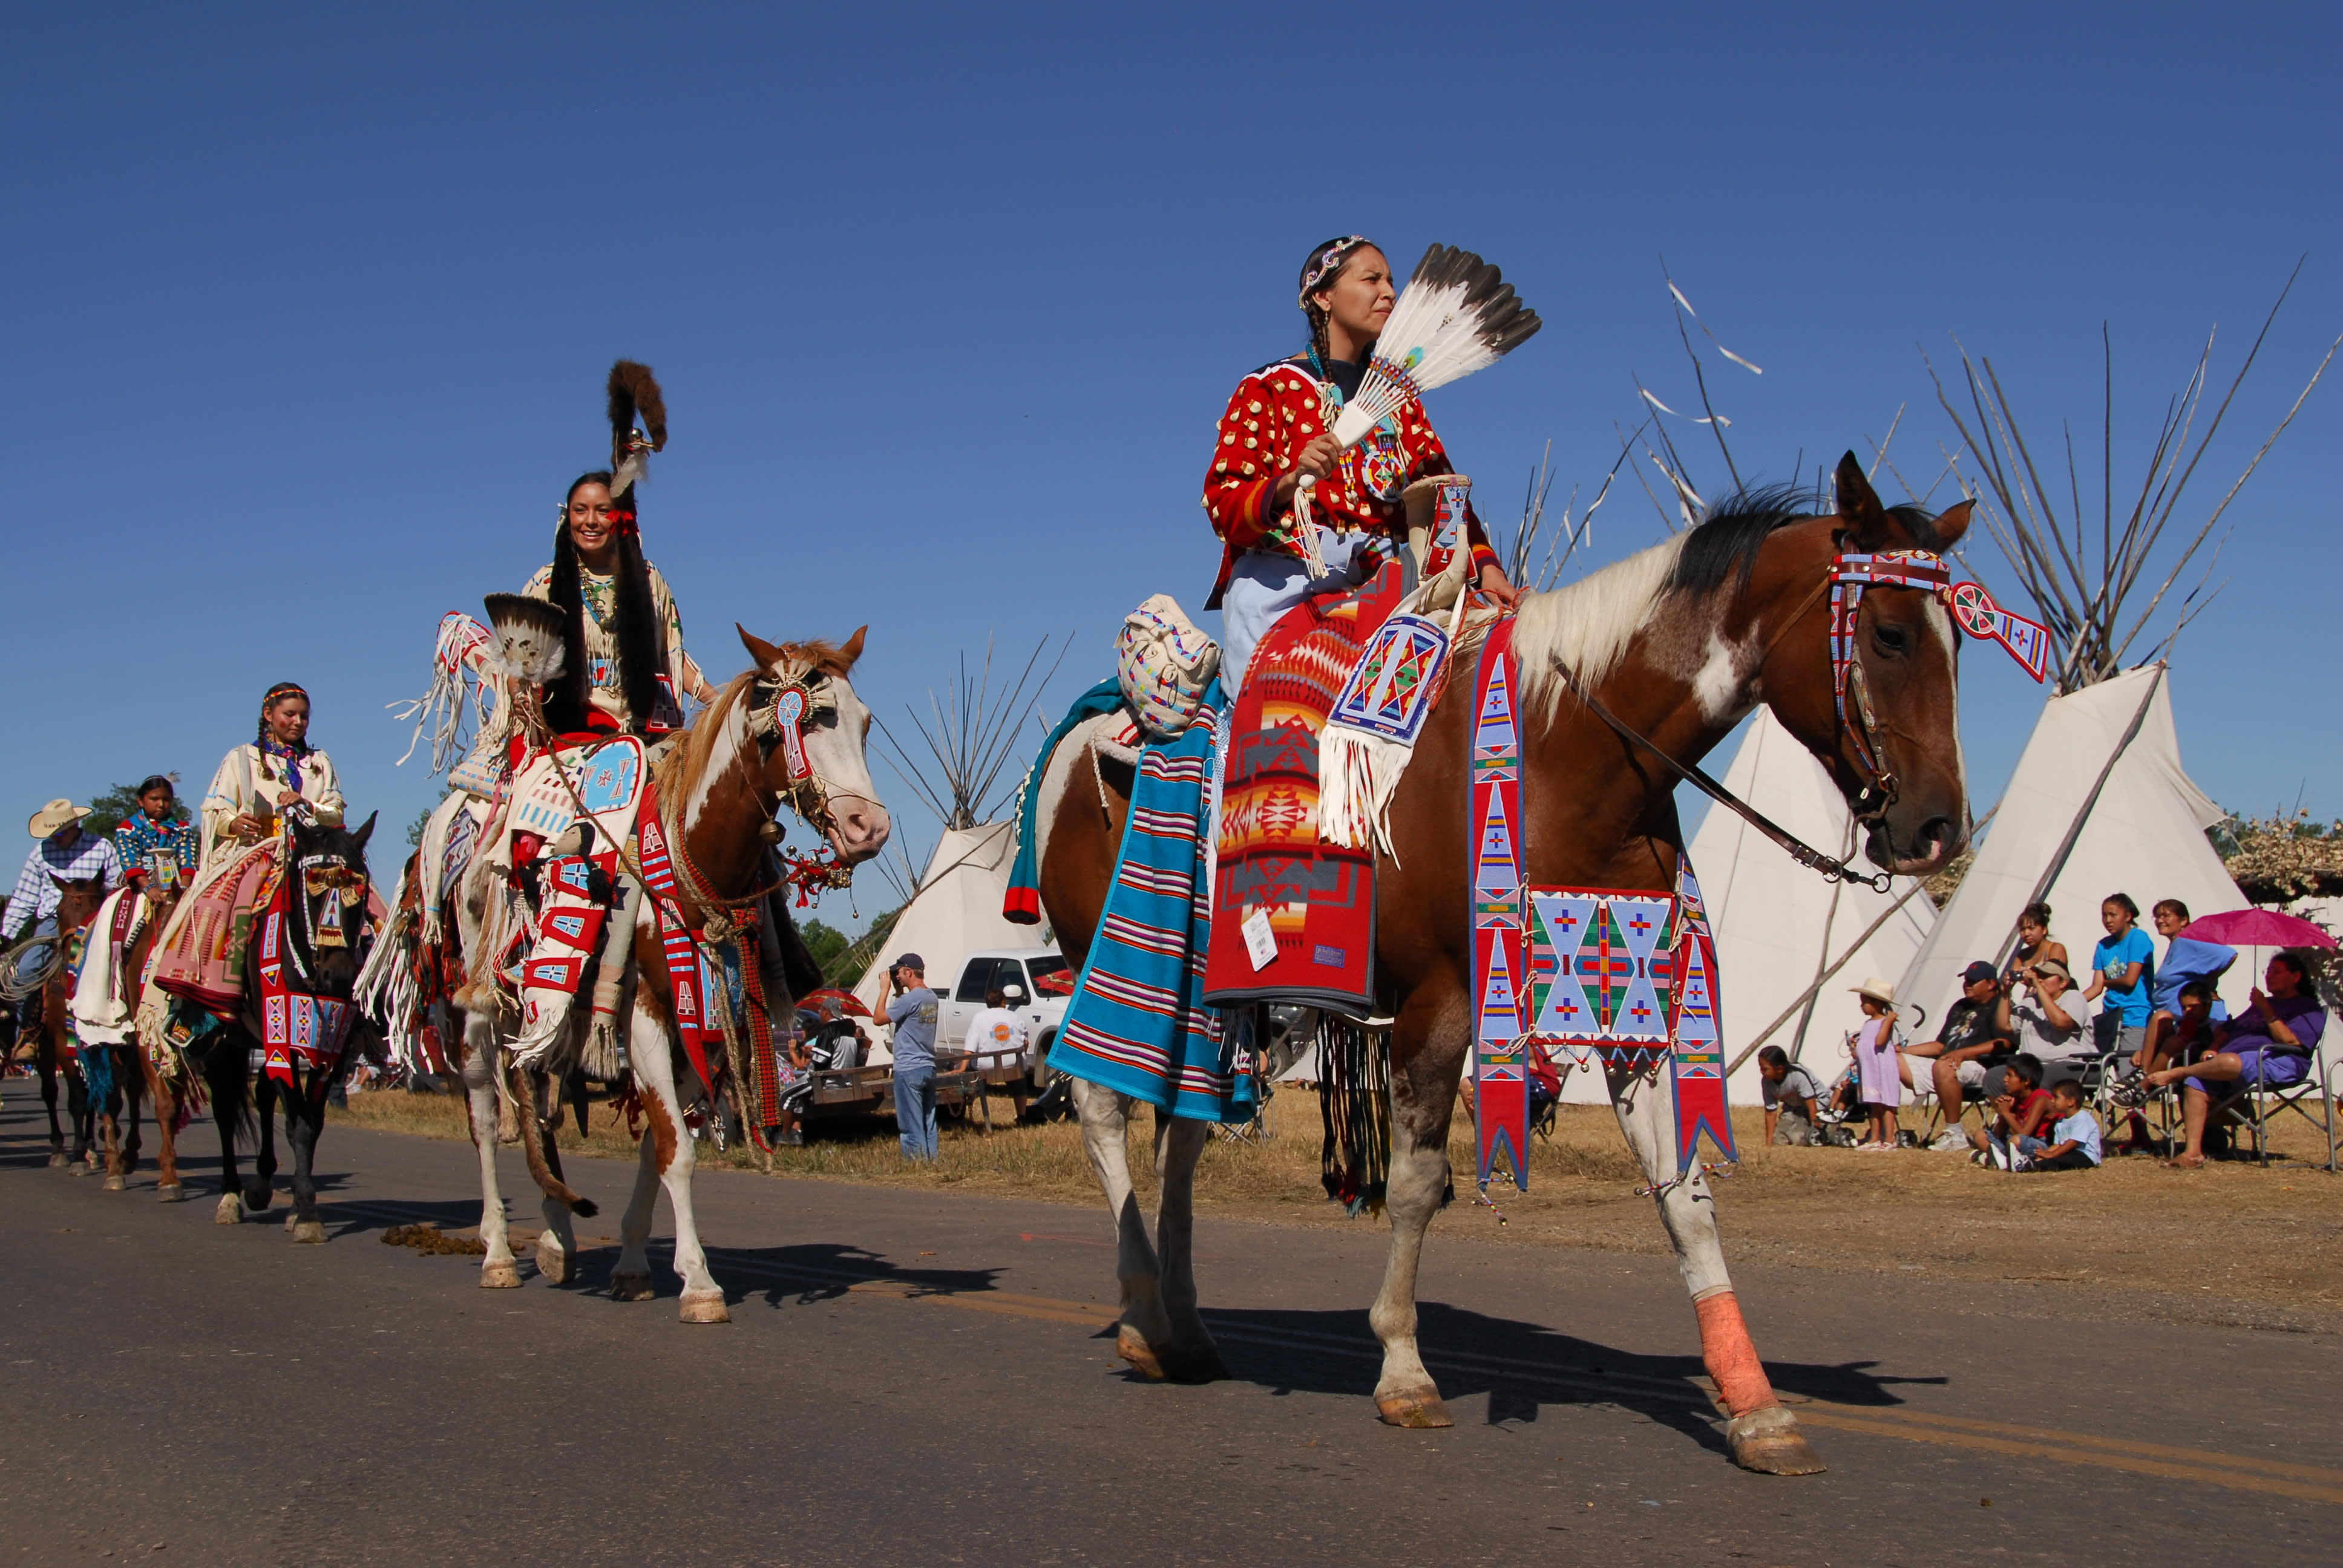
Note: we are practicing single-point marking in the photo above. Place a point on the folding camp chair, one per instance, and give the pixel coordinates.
(2252, 1107)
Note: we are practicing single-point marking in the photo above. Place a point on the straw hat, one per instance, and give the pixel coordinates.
(56, 814)
(1878, 990)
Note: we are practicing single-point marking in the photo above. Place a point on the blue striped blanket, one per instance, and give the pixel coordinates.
(1138, 1024)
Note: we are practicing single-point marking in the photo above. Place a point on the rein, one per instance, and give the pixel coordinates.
(1830, 867)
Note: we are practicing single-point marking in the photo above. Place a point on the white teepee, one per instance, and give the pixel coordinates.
(956, 910)
(1779, 927)
(2099, 805)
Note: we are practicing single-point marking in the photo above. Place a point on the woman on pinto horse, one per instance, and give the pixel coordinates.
(1277, 430)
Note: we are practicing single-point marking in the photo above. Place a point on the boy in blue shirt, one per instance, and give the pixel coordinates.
(2073, 1141)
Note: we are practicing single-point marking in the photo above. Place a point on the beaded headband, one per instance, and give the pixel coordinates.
(1334, 253)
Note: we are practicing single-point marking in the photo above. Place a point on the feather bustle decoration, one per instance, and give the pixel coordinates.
(525, 639)
(634, 394)
(1456, 315)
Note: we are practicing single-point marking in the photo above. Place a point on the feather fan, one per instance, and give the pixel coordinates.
(524, 638)
(1456, 315)
(634, 393)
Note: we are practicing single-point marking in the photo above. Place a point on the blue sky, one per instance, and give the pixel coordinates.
(309, 310)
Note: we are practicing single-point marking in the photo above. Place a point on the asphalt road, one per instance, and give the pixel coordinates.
(917, 1378)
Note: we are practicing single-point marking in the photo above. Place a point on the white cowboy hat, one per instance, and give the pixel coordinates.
(56, 814)
(1878, 990)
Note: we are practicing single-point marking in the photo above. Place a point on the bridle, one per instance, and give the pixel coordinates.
(1851, 573)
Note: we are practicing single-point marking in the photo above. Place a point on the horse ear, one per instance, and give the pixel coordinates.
(63, 886)
(1952, 523)
(366, 830)
(852, 651)
(1859, 504)
(766, 655)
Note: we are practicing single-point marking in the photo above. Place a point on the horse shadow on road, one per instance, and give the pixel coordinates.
(1522, 1368)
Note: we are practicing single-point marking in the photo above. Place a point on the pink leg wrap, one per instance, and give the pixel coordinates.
(1730, 1359)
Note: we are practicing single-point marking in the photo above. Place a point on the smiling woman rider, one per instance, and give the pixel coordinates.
(1279, 427)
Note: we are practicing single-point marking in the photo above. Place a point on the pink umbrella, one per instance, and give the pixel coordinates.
(2253, 927)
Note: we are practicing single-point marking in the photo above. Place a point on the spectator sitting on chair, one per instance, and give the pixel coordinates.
(1966, 1049)
(1790, 1092)
(2266, 1047)
(2017, 1112)
(2072, 1143)
(2183, 1038)
(2186, 959)
(2037, 1018)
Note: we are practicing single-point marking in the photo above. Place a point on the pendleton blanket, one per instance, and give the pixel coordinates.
(1138, 1023)
(1319, 898)
(200, 956)
(1022, 903)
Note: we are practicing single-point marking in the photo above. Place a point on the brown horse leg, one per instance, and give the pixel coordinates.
(82, 1158)
(167, 1133)
(1763, 1435)
(122, 1119)
(1145, 1333)
(1428, 1045)
(45, 1062)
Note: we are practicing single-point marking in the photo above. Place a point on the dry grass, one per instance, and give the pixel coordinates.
(2231, 1243)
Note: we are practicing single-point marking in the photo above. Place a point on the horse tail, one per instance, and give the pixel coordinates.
(532, 1143)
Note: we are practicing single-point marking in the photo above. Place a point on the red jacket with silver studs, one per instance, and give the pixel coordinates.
(1274, 414)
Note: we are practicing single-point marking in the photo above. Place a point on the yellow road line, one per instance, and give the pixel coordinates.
(2066, 1452)
(2310, 1473)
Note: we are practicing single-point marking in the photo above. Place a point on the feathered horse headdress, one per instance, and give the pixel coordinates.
(634, 393)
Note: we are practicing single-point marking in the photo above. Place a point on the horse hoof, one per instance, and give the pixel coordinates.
(57, 1159)
(309, 1232)
(1130, 1347)
(117, 1184)
(170, 1193)
(1769, 1442)
(1194, 1363)
(504, 1275)
(1418, 1408)
(76, 1168)
(230, 1211)
(552, 1262)
(630, 1287)
(703, 1307)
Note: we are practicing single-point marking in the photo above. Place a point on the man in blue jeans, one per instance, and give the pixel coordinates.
(913, 1011)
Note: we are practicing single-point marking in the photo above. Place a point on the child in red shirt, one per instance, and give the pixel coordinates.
(2020, 1110)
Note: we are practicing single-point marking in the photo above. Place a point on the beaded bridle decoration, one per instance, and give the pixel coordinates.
(783, 705)
(1972, 608)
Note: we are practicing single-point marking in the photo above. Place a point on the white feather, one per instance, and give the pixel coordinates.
(1435, 336)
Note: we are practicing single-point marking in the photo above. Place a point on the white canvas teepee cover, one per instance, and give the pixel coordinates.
(1777, 924)
(2098, 804)
(956, 912)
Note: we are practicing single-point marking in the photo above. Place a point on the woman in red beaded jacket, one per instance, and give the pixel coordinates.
(1279, 427)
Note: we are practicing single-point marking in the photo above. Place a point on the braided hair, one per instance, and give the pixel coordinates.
(261, 737)
(1319, 271)
(641, 648)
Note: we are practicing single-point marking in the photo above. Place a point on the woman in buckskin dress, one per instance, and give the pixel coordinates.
(625, 664)
(1278, 428)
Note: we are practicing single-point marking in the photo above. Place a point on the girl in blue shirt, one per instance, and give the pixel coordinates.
(2124, 972)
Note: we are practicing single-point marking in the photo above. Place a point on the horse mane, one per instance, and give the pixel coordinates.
(679, 773)
(1588, 626)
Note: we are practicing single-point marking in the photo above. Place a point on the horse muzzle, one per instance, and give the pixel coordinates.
(858, 830)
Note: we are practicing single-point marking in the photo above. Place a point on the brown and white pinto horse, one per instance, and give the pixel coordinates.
(45, 1013)
(1679, 642)
(720, 787)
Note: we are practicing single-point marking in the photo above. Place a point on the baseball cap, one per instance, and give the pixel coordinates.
(909, 962)
(1979, 970)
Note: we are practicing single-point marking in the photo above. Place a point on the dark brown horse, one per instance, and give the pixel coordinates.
(45, 1015)
(1679, 643)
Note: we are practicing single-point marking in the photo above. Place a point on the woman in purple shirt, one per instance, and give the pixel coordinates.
(2268, 1046)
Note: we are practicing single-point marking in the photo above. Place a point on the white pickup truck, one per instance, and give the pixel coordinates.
(1038, 982)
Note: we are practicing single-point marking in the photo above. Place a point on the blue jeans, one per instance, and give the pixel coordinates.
(915, 1112)
(30, 964)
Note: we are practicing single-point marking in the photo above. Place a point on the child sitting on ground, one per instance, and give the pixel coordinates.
(2017, 1112)
(2073, 1141)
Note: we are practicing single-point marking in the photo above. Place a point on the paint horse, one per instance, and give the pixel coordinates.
(325, 886)
(46, 1014)
(133, 1074)
(1679, 643)
(718, 787)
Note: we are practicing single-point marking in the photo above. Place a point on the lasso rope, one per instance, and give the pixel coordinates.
(15, 990)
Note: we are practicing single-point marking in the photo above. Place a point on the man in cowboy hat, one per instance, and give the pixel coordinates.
(65, 854)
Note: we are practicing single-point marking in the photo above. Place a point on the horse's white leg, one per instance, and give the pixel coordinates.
(631, 1281)
(669, 1145)
(1405, 1395)
(1762, 1434)
(1145, 1326)
(498, 1271)
(1190, 1356)
(557, 1243)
